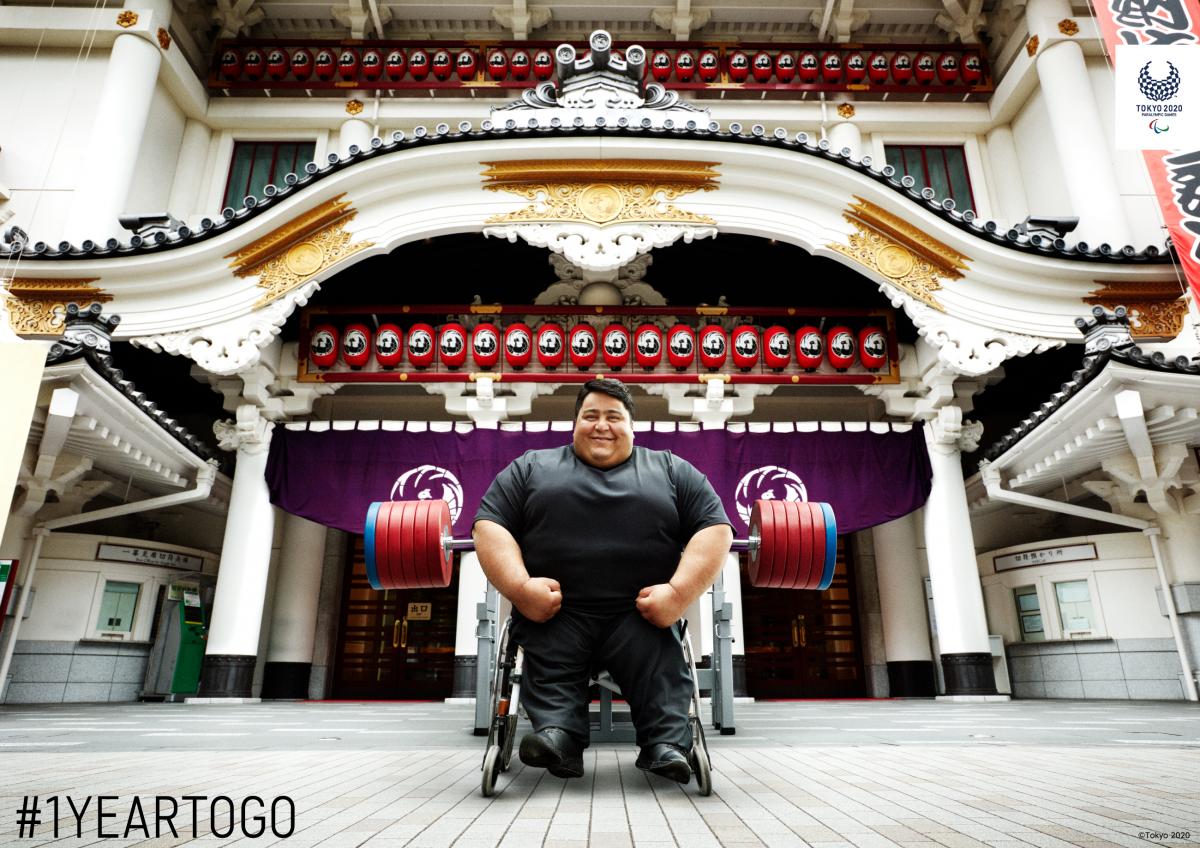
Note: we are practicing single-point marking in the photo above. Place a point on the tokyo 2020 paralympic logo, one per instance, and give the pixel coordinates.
(430, 483)
(1159, 90)
(767, 482)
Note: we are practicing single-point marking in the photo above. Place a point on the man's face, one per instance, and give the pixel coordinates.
(603, 431)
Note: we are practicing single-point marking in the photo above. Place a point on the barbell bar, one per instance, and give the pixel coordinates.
(409, 545)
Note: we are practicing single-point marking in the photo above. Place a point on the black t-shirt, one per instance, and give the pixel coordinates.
(603, 534)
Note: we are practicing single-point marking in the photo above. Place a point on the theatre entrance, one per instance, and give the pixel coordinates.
(394, 644)
(803, 644)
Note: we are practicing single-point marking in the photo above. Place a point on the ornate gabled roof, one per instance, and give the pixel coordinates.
(1106, 339)
(88, 336)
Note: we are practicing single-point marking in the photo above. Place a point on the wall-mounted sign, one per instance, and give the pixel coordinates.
(419, 612)
(1046, 556)
(149, 556)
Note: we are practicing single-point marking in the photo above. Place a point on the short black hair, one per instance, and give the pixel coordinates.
(612, 388)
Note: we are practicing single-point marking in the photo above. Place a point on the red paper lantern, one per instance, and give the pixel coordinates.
(902, 69)
(661, 66)
(452, 345)
(947, 69)
(925, 68)
(466, 65)
(389, 345)
(872, 348)
(302, 64)
(418, 64)
(614, 345)
(856, 68)
(810, 348)
(648, 346)
(810, 67)
(420, 345)
(841, 344)
(739, 66)
(253, 64)
(785, 66)
(543, 65)
(356, 345)
(551, 345)
(231, 64)
(497, 65)
(714, 346)
(764, 66)
(443, 65)
(878, 68)
(348, 65)
(485, 345)
(395, 65)
(582, 346)
(323, 345)
(972, 68)
(518, 345)
(372, 65)
(685, 66)
(681, 346)
(777, 347)
(831, 67)
(745, 343)
(710, 66)
(325, 65)
(277, 64)
(519, 64)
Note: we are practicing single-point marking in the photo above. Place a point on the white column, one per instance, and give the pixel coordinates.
(846, 134)
(296, 594)
(355, 130)
(1181, 544)
(122, 110)
(950, 549)
(1078, 135)
(472, 589)
(189, 170)
(901, 591)
(230, 656)
(20, 379)
(1007, 187)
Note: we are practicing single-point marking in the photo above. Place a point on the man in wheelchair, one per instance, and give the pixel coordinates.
(585, 541)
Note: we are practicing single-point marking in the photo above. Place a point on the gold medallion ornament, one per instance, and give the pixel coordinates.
(1156, 309)
(846, 110)
(354, 107)
(601, 191)
(908, 257)
(292, 254)
(1068, 27)
(1031, 46)
(164, 39)
(37, 308)
(127, 19)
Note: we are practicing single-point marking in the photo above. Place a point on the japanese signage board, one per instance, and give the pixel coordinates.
(149, 556)
(1175, 166)
(1045, 556)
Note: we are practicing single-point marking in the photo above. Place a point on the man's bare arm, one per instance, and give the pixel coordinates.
(537, 598)
(665, 603)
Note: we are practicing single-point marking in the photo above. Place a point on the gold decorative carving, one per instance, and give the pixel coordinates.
(1068, 27)
(1156, 309)
(1031, 46)
(127, 19)
(601, 191)
(292, 254)
(164, 39)
(846, 110)
(910, 258)
(354, 107)
(38, 307)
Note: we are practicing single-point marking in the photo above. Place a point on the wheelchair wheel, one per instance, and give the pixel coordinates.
(701, 765)
(491, 770)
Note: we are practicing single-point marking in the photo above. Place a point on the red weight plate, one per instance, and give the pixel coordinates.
(395, 545)
(804, 572)
(818, 547)
(761, 522)
(768, 570)
(441, 561)
(418, 551)
(795, 545)
(789, 530)
(402, 565)
(424, 554)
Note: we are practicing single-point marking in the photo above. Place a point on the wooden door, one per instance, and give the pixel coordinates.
(803, 644)
(395, 645)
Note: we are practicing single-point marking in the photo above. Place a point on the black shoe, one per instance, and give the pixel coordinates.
(665, 760)
(554, 750)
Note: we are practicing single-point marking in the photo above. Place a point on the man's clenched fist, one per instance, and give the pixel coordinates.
(661, 605)
(539, 599)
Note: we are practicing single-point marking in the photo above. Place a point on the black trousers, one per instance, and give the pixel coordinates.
(647, 662)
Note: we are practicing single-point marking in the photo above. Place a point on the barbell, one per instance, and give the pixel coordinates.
(791, 545)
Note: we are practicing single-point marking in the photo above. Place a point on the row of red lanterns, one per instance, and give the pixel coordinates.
(372, 65)
(615, 346)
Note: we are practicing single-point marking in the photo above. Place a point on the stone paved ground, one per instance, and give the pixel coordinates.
(819, 773)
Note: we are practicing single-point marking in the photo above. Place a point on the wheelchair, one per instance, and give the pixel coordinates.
(505, 699)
